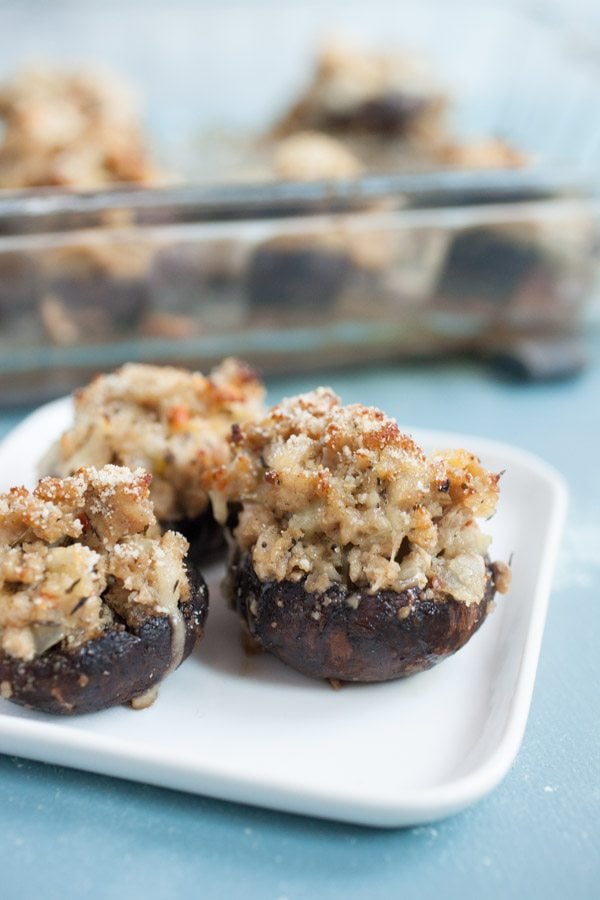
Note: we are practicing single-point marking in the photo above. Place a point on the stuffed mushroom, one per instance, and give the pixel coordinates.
(356, 557)
(97, 606)
(356, 93)
(172, 423)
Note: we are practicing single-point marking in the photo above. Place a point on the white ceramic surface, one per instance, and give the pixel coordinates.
(251, 730)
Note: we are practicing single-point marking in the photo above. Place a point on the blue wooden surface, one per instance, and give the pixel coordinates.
(68, 834)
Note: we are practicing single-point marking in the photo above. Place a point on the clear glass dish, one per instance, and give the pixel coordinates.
(226, 260)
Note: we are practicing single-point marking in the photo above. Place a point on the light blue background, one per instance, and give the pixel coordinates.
(67, 834)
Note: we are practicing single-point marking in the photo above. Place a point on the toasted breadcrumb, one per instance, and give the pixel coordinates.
(310, 155)
(334, 494)
(81, 554)
(66, 128)
(171, 422)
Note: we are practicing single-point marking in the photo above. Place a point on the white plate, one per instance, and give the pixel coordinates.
(252, 730)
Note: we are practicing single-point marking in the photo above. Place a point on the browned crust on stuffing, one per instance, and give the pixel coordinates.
(71, 128)
(171, 421)
(330, 494)
(78, 552)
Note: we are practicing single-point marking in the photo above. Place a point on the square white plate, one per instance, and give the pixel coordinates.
(252, 730)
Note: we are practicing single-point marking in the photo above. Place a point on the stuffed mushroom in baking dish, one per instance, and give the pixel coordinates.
(356, 557)
(97, 606)
(170, 422)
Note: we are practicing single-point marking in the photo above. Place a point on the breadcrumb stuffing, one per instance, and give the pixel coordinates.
(310, 155)
(171, 422)
(75, 128)
(80, 555)
(334, 494)
(489, 153)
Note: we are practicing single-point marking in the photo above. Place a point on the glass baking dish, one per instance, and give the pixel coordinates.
(227, 260)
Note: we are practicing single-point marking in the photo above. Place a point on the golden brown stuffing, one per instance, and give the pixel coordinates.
(77, 552)
(170, 422)
(338, 494)
(385, 111)
(310, 155)
(70, 128)
(490, 153)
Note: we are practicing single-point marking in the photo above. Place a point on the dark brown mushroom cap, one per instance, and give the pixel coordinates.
(205, 535)
(388, 635)
(390, 113)
(113, 669)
